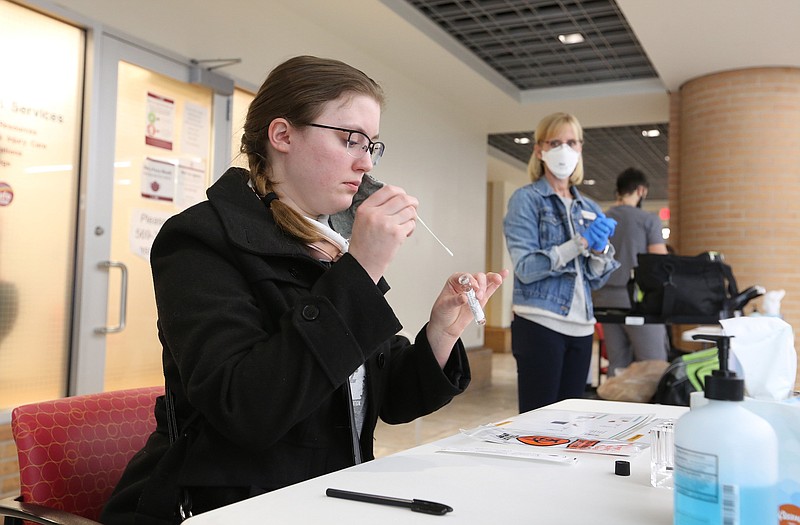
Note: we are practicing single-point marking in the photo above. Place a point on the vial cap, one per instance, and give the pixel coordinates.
(622, 468)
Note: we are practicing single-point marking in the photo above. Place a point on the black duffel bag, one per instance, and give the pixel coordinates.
(677, 285)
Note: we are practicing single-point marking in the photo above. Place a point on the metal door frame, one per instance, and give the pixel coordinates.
(104, 51)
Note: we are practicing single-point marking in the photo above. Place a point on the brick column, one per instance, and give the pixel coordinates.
(674, 170)
(738, 167)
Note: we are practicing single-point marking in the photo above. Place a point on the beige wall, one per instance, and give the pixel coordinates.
(498, 313)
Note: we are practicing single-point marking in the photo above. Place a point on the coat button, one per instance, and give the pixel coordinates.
(381, 360)
(310, 312)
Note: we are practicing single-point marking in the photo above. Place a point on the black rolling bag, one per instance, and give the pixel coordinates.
(677, 285)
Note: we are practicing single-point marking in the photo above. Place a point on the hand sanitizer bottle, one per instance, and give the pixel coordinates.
(726, 457)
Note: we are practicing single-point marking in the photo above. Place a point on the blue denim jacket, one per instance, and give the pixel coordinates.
(535, 224)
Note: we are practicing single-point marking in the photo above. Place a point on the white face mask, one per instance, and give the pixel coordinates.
(561, 160)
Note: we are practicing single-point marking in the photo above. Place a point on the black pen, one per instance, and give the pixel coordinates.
(417, 505)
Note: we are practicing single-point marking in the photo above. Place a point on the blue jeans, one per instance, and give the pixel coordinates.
(550, 366)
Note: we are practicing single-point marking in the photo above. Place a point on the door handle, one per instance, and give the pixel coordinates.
(123, 297)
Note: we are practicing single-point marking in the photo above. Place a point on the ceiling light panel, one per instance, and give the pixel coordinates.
(519, 39)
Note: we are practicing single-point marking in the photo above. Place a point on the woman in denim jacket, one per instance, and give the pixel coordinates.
(558, 241)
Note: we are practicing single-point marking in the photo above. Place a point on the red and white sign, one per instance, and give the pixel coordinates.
(160, 121)
(158, 180)
(6, 194)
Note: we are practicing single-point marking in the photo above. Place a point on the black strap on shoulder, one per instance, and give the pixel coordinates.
(172, 419)
(185, 503)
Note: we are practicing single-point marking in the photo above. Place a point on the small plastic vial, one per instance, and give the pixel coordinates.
(472, 301)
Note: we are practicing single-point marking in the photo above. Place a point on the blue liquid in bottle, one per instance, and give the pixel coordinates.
(705, 503)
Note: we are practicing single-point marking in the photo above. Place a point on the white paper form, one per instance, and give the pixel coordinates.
(144, 227)
(592, 432)
(189, 185)
(195, 135)
(588, 425)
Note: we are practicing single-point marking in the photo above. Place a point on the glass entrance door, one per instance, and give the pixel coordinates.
(152, 155)
(161, 166)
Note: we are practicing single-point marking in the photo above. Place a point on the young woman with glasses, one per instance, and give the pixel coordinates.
(279, 348)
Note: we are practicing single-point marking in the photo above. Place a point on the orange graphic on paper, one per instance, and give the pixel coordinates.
(789, 514)
(542, 441)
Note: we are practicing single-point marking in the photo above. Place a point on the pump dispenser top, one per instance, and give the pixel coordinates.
(722, 384)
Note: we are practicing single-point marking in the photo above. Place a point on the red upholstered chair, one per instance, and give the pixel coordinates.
(72, 452)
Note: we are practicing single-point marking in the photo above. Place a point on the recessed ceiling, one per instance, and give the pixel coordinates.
(519, 39)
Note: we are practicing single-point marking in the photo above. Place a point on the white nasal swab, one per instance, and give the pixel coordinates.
(434, 235)
(379, 184)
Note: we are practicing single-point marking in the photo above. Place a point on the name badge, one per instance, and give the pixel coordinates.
(588, 215)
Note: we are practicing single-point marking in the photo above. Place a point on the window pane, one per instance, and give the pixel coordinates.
(40, 112)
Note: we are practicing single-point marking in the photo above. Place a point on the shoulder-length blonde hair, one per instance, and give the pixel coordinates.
(296, 90)
(548, 128)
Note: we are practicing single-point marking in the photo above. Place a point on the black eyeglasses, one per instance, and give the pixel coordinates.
(358, 143)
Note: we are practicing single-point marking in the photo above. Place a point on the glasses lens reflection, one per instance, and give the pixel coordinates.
(377, 152)
(357, 144)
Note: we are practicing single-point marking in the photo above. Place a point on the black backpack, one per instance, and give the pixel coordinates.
(676, 285)
(684, 375)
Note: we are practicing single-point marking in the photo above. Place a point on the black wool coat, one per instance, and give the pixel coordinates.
(259, 340)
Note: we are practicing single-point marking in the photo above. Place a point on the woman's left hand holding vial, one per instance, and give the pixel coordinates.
(451, 313)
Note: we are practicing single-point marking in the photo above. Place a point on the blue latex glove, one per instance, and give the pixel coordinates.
(612, 224)
(599, 231)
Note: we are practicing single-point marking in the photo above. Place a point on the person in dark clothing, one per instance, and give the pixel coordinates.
(638, 231)
(280, 351)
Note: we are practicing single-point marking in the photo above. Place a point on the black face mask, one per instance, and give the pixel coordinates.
(641, 200)
(343, 221)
